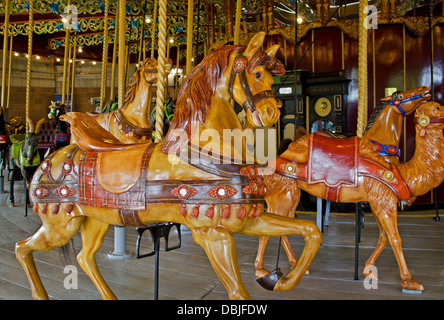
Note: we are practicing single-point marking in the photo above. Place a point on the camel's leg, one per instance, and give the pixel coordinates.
(219, 245)
(93, 233)
(387, 215)
(259, 263)
(382, 243)
(274, 225)
(57, 229)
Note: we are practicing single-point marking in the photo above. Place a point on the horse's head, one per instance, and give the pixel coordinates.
(408, 101)
(251, 80)
(29, 150)
(55, 110)
(148, 69)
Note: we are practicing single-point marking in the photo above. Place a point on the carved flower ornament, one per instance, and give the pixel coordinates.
(222, 192)
(183, 192)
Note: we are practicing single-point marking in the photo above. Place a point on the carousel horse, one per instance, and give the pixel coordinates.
(24, 158)
(103, 181)
(61, 133)
(384, 130)
(130, 123)
(351, 170)
(4, 140)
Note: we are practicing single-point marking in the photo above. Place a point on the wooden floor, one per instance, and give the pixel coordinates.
(185, 273)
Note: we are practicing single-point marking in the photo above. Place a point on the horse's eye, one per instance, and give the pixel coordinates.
(258, 75)
(437, 108)
(401, 97)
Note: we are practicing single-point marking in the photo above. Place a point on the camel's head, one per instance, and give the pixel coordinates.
(430, 116)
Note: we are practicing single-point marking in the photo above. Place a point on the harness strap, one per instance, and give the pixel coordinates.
(398, 102)
(239, 67)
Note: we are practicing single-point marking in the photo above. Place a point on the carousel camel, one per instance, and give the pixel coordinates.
(107, 182)
(350, 170)
(384, 130)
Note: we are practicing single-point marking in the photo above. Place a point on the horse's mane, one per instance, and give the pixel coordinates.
(133, 85)
(194, 98)
(377, 111)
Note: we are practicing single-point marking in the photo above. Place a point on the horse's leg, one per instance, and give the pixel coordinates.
(92, 232)
(386, 211)
(259, 263)
(382, 243)
(56, 230)
(274, 225)
(219, 245)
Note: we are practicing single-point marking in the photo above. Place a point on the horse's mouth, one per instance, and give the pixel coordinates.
(257, 118)
(427, 94)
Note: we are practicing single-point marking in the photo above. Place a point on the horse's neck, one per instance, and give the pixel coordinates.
(221, 124)
(387, 128)
(137, 112)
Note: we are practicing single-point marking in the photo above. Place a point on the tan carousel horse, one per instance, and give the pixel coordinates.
(130, 123)
(384, 129)
(350, 170)
(106, 182)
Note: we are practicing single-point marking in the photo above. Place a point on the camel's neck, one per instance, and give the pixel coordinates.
(387, 128)
(137, 112)
(425, 170)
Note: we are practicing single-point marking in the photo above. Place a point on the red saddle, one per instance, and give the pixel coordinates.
(332, 164)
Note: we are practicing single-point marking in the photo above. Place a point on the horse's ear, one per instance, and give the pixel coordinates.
(254, 45)
(272, 50)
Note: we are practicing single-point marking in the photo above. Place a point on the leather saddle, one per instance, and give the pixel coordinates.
(332, 163)
(116, 165)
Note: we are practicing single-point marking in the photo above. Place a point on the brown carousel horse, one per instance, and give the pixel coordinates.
(106, 182)
(351, 170)
(130, 123)
(384, 129)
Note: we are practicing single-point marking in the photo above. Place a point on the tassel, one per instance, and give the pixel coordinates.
(183, 209)
(226, 212)
(210, 211)
(241, 211)
(258, 210)
(195, 211)
(252, 211)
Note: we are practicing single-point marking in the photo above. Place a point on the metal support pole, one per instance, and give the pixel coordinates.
(120, 252)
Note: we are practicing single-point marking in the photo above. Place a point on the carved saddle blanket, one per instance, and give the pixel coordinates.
(118, 180)
(339, 164)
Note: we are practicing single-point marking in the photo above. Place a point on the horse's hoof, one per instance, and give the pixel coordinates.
(368, 272)
(11, 204)
(261, 273)
(269, 281)
(412, 287)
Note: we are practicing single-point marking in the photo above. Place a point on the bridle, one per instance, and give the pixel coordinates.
(398, 102)
(239, 66)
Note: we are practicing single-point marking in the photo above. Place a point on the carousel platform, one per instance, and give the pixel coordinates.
(186, 273)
